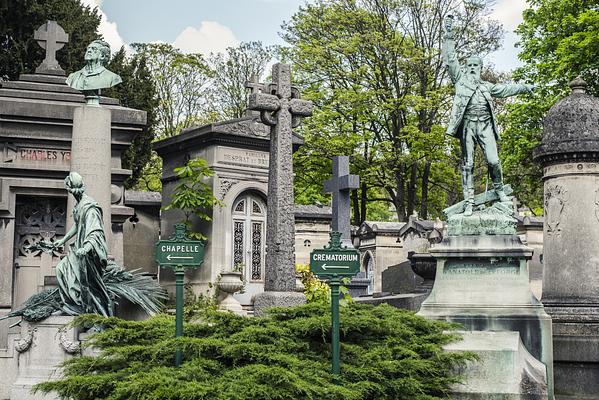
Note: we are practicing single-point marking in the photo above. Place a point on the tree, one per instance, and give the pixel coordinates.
(559, 41)
(231, 71)
(192, 195)
(20, 53)
(373, 68)
(181, 82)
(136, 91)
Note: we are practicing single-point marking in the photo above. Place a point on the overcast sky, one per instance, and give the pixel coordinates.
(206, 26)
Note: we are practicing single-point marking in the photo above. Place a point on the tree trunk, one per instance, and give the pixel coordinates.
(399, 200)
(412, 189)
(356, 207)
(364, 202)
(424, 198)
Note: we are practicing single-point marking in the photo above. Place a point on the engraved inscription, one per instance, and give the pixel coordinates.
(475, 271)
(35, 155)
(250, 158)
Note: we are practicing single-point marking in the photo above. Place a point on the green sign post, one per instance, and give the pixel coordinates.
(179, 252)
(335, 262)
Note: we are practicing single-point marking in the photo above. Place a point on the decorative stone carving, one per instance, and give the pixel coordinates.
(23, 344)
(69, 346)
(555, 199)
(225, 186)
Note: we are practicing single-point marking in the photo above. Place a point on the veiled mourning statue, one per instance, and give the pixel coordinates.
(88, 282)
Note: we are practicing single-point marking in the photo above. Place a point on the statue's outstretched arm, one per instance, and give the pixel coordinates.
(72, 232)
(448, 54)
(510, 89)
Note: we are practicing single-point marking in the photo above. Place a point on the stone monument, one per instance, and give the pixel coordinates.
(340, 185)
(281, 108)
(569, 155)
(51, 37)
(482, 266)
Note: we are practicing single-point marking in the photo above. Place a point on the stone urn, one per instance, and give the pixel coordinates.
(425, 266)
(231, 282)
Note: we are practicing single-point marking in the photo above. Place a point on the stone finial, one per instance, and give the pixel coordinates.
(578, 85)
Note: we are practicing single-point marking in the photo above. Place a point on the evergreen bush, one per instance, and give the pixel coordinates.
(386, 353)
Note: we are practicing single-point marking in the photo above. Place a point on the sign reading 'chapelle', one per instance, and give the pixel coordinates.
(177, 252)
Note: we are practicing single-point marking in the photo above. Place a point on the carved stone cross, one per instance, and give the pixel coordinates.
(340, 185)
(52, 38)
(254, 85)
(281, 108)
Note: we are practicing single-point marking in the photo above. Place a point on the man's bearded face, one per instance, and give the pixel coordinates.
(473, 68)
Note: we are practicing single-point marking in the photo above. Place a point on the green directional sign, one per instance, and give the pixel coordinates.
(179, 250)
(335, 260)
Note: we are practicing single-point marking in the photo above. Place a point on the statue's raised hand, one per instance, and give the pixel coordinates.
(449, 29)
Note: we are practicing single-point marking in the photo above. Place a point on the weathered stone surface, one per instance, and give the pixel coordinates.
(269, 299)
(280, 239)
(571, 128)
(505, 369)
(41, 350)
(495, 220)
(482, 283)
(91, 157)
(339, 185)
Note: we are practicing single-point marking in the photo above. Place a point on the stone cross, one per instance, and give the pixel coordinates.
(340, 185)
(254, 85)
(52, 38)
(281, 108)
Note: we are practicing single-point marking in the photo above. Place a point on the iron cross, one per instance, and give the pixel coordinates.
(52, 38)
(340, 185)
(281, 108)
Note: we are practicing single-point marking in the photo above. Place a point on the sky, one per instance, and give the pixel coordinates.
(206, 26)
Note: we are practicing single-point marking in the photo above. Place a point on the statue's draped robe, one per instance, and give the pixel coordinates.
(80, 277)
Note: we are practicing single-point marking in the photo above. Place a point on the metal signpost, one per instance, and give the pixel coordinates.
(335, 262)
(179, 252)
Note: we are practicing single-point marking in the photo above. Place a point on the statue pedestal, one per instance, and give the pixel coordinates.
(42, 348)
(482, 283)
(91, 158)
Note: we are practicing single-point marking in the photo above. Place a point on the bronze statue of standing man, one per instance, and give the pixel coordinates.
(472, 117)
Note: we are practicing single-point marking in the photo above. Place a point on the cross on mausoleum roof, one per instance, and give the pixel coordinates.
(52, 38)
(340, 185)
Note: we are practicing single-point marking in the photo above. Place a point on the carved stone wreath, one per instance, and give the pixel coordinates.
(23, 344)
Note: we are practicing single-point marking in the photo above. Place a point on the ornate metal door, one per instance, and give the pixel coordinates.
(249, 223)
(37, 218)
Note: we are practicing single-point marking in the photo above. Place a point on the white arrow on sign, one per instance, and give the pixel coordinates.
(324, 266)
(171, 257)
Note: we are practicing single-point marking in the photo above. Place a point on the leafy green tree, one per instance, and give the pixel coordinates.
(374, 71)
(231, 71)
(136, 91)
(386, 353)
(19, 52)
(559, 41)
(192, 195)
(181, 82)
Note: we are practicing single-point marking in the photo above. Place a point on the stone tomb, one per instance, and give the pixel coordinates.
(36, 122)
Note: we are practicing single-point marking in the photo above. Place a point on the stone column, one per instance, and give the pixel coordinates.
(91, 158)
(569, 155)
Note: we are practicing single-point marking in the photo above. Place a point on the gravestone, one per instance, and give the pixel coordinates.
(51, 37)
(340, 185)
(281, 108)
(569, 155)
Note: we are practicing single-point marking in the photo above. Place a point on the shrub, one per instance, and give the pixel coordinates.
(386, 353)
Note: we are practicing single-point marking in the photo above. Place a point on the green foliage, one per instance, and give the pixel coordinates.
(192, 195)
(559, 41)
(20, 53)
(386, 353)
(373, 70)
(136, 91)
(317, 291)
(231, 70)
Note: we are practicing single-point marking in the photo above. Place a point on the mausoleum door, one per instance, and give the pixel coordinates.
(369, 267)
(249, 239)
(37, 218)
